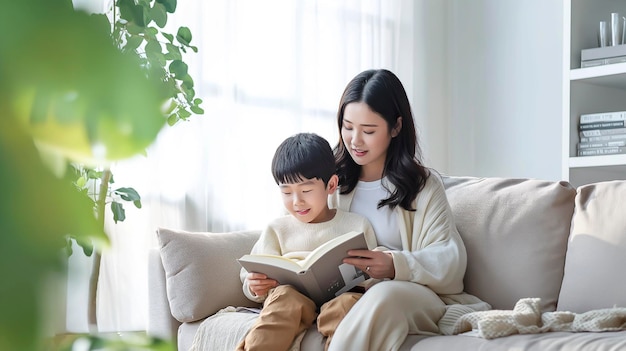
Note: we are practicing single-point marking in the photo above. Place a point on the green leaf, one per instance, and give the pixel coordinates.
(128, 194)
(81, 182)
(68, 246)
(173, 53)
(187, 82)
(158, 60)
(132, 12)
(153, 46)
(172, 119)
(183, 113)
(197, 110)
(91, 174)
(169, 37)
(151, 31)
(197, 101)
(134, 29)
(178, 68)
(189, 92)
(194, 48)
(170, 5)
(87, 248)
(119, 215)
(183, 36)
(158, 14)
(154, 53)
(133, 42)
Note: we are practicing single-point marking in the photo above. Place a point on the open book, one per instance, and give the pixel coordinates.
(322, 275)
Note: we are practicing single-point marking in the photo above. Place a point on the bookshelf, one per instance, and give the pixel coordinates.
(589, 90)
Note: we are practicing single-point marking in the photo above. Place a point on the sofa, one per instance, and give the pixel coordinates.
(562, 246)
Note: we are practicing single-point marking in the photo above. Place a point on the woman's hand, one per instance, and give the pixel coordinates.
(259, 284)
(377, 264)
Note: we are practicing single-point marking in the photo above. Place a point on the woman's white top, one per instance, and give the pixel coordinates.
(384, 220)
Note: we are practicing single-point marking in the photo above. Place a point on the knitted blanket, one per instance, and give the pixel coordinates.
(224, 330)
(526, 318)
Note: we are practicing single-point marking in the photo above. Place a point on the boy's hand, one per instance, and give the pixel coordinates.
(259, 284)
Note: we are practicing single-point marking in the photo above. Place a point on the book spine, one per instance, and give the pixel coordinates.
(602, 151)
(593, 63)
(582, 145)
(601, 125)
(603, 117)
(602, 62)
(603, 138)
(599, 132)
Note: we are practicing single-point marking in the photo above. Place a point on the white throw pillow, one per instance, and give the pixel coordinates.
(596, 251)
(202, 272)
(515, 232)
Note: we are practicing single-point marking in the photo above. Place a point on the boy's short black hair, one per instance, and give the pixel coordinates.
(303, 156)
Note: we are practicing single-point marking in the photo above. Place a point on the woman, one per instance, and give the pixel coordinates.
(422, 259)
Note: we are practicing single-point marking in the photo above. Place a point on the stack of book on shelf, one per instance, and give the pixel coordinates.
(602, 134)
(602, 56)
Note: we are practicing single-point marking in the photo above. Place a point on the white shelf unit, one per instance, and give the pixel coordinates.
(589, 90)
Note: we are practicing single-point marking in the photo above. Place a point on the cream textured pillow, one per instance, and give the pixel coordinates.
(596, 252)
(202, 272)
(515, 232)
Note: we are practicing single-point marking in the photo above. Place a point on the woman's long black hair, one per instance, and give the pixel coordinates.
(383, 92)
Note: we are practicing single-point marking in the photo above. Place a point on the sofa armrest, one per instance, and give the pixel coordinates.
(161, 323)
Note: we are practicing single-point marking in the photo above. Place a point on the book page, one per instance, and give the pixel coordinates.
(257, 262)
(334, 244)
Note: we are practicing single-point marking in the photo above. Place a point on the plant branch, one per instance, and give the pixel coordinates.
(92, 313)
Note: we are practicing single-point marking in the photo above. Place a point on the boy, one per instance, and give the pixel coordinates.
(304, 169)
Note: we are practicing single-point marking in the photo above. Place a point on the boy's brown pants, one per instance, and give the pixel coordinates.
(286, 313)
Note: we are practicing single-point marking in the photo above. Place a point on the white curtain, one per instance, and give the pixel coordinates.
(265, 70)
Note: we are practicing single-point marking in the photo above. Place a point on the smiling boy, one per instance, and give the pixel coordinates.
(304, 169)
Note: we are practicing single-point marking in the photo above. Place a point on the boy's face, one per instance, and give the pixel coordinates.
(307, 200)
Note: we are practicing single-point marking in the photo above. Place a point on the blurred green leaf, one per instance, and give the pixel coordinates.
(197, 110)
(169, 37)
(133, 42)
(119, 215)
(131, 12)
(170, 5)
(38, 211)
(151, 31)
(187, 81)
(173, 52)
(183, 113)
(130, 194)
(178, 68)
(68, 94)
(81, 182)
(158, 14)
(172, 119)
(183, 36)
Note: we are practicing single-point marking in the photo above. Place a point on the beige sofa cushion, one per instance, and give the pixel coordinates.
(596, 252)
(515, 232)
(202, 272)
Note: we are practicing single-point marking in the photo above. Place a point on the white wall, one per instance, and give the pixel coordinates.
(491, 102)
(430, 88)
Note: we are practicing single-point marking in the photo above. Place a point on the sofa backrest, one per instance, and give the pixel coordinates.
(515, 232)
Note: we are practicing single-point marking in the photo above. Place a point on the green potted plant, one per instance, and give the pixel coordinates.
(138, 29)
(69, 95)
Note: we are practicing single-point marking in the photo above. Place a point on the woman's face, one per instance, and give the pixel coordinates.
(366, 136)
